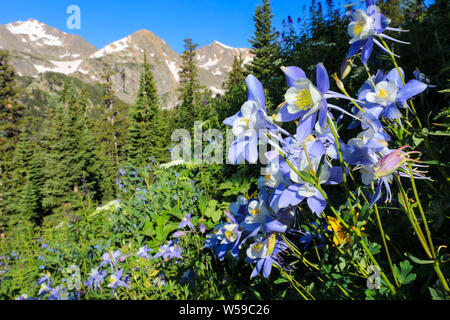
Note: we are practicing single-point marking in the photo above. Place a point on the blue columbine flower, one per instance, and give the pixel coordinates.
(186, 222)
(116, 280)
(389, 93)
(113, 258)
(265, 254)
(364, 26)
(143, 252)
(249, 123)
(307, 102)
(292, 195)
(58, 293)
(169, 251)
(96, 278)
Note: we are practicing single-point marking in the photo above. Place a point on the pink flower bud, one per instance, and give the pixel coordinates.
(390, 163)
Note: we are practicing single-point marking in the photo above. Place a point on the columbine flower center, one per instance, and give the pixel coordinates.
(357, 28)
(383, 94)
(257, 247)
(304, 99)
(255, 212)
(229, 234)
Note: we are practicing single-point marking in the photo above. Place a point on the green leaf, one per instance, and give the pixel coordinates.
(321, 164)
(403, 274)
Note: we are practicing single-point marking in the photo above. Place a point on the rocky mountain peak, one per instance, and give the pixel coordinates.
(38, 48)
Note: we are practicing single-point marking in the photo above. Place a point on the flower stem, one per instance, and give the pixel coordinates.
(380, 226)
(412, 218)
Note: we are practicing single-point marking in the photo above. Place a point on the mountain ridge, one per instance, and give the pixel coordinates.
(37, 48)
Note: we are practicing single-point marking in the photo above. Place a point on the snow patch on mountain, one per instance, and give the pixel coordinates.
(36, 32)
(209, 64)
(114, 47)
(174, 69)
(65, 67)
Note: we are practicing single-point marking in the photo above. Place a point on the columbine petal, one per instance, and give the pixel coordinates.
(305, 127)
(290, 197)
(317, 203)
(323, 82)
(293, 74)
(392, 112)
(284, 115)
(355, 47)
(255, 91)
(367, 51)
(412, 88)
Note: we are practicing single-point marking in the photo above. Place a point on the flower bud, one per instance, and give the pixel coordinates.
(390, 163)
(346, 67)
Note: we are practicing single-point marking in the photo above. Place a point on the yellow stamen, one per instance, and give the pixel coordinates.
(304, 99)
(310, 138)
(257, 247)
(383, 94)
(357, 28)
(229, 234)
(255, 212)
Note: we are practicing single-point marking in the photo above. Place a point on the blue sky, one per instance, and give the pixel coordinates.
(102, 22)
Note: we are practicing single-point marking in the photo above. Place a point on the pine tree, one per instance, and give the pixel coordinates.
(71, 162)
(188, 110)
(32, 195)
(15, 180)
(236, 77)
(147, 134)
(264, 45)
(58, 186)
(11, 116)
(11, 112)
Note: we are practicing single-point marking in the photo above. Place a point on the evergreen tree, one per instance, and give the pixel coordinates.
(190, 96)
(266, 63)
(71, 162)
(147, 134)
(32, 196)
(58, 186)
(15, 180)
(11, 116)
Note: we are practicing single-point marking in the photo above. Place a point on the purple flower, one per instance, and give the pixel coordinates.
(143, 252)
(265, 254)
(58, 293)
(113, 258)
(159, 281)
(169, 251)
(45, 278)
(116, 280)
(186, 222)
(96, 278)
(307, 102)
(248, 123)
(299, 190)
(389, 93)
(179, 234)
(363, 28)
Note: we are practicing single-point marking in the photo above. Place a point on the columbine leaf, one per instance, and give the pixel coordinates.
(403, 274)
